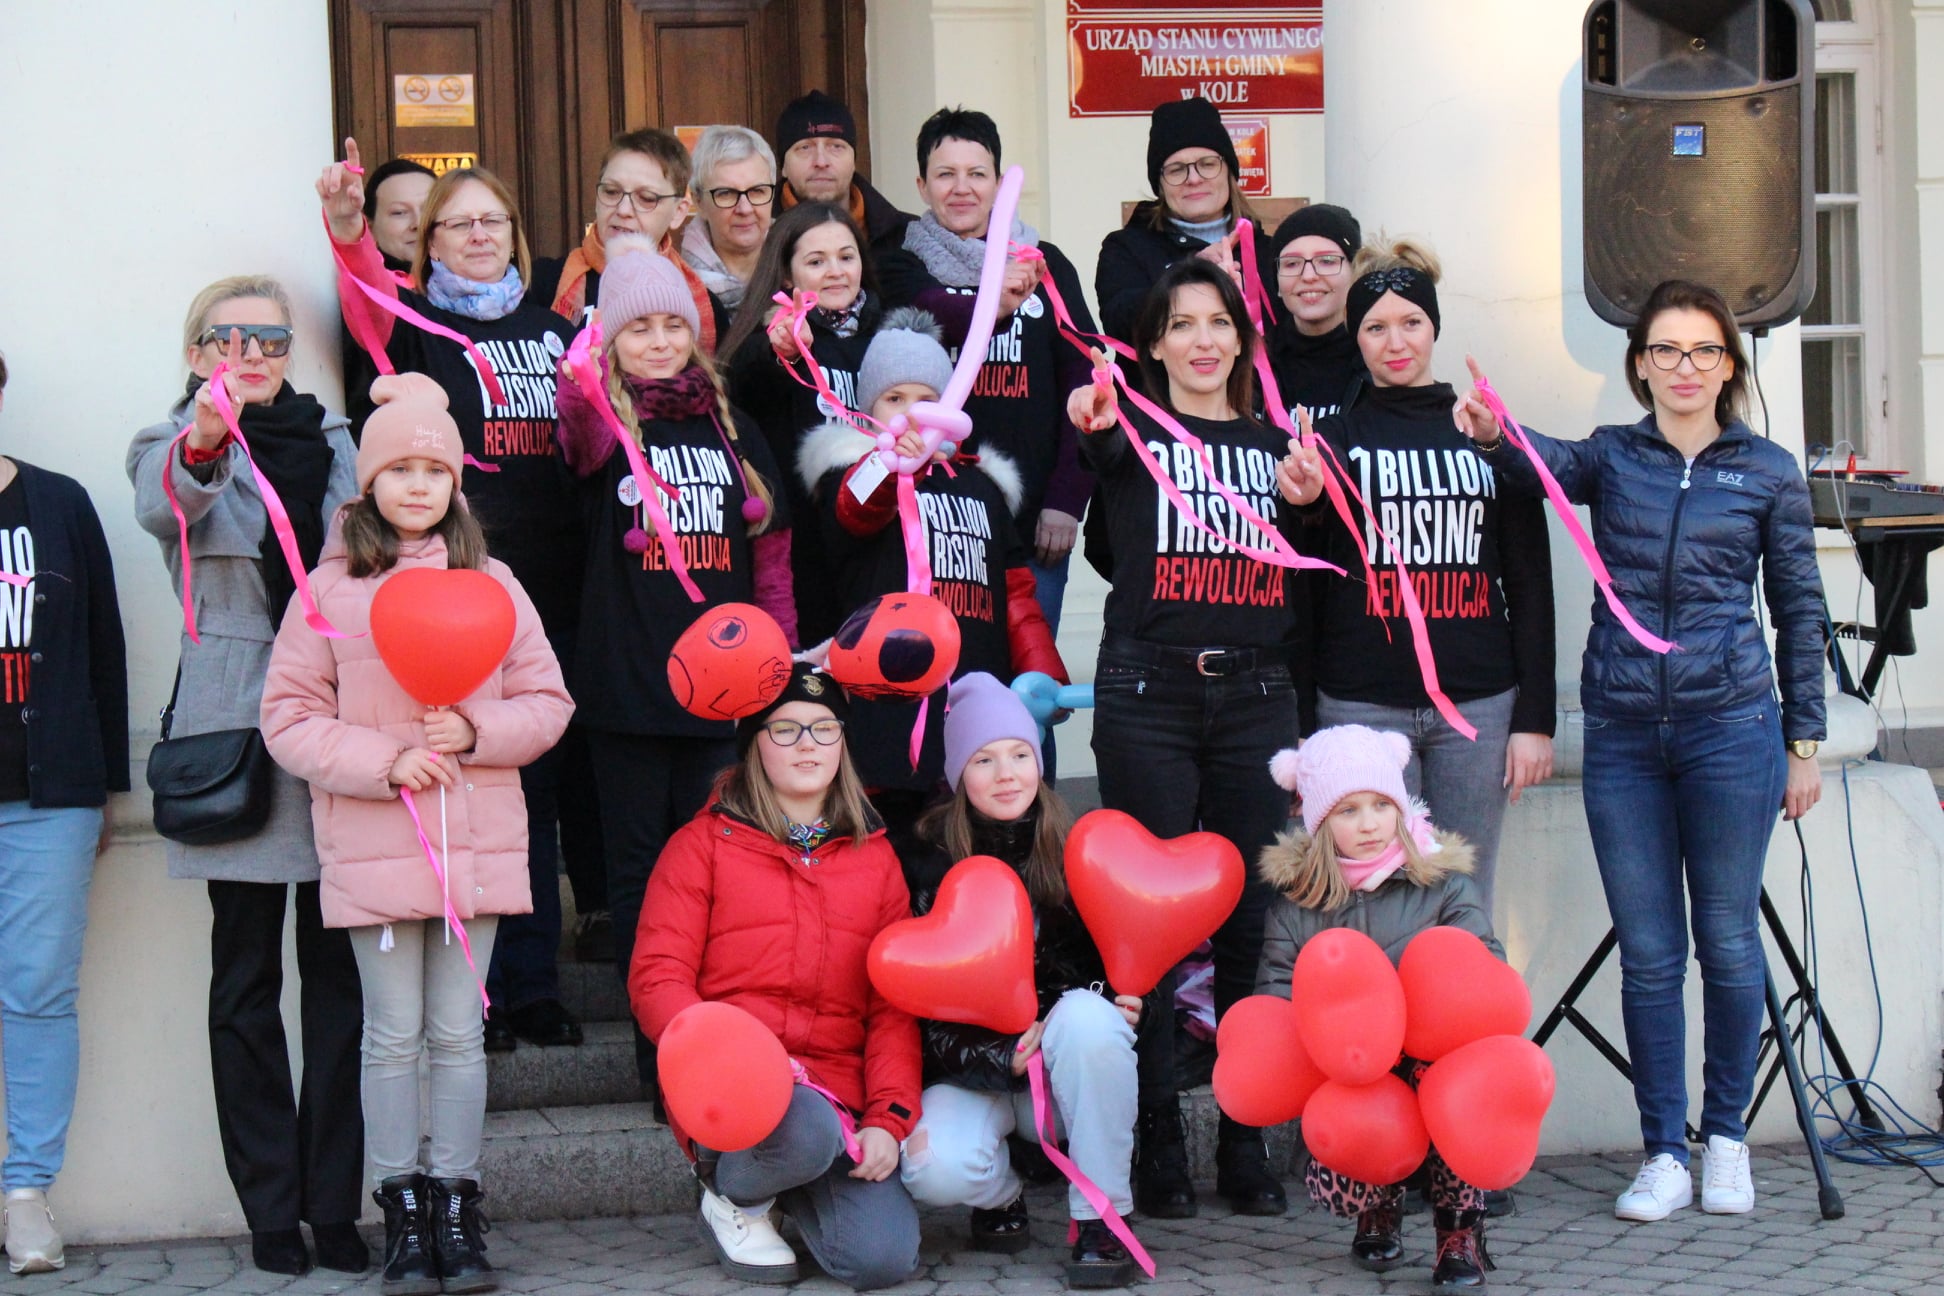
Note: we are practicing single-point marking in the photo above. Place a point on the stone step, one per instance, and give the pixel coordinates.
(600, 1071)
(593, 992)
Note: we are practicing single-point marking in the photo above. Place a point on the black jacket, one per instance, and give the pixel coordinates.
(77, 701)
(1133, 257)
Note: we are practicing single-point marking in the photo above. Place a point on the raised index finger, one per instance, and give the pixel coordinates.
(1478, 375)
(233, 349)
(351, 160)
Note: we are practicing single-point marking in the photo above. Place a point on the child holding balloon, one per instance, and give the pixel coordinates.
(1367, 858)
(335, 715)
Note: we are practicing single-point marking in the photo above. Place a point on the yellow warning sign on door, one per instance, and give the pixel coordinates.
(433, 99)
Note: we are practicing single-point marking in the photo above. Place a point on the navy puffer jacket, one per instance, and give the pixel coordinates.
(1683, 543)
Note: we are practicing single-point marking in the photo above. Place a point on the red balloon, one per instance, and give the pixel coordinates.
(731, 662)
(441, 633)
(971, 958)
(724, 1076)
(1147, 902)
(897, 645)
(1371, 1132)
(1349, 1005)
(1263, 1075)
(1483, 1105)
(1457, 991)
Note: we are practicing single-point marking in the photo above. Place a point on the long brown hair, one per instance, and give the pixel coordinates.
(949, 825)
(1152, 323)
(1684, 294)
(773, 267)
(624, 409)
(371, 543)
(745, 791)
(441, 193)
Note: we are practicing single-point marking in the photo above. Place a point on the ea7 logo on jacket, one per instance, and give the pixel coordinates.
(1728, 478)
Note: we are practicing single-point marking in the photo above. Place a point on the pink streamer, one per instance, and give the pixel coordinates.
(1043, 1125)
(21, 582)
(452, 921)
(845, 1121)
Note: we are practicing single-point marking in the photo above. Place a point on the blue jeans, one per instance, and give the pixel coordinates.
(1690, 801)
(1049, 591)
(46, 863)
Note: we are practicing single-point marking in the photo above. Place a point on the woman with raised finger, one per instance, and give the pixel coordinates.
(734, 191)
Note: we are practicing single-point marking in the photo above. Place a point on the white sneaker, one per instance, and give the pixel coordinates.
(1727, 1188)
(1662, 1187)
(33, 1243)
(746, 1241)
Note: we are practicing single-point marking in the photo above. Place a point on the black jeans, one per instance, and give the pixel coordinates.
(649, 787)
(526, 954)
(298, 1158)
(1182, 751)
(583, 849)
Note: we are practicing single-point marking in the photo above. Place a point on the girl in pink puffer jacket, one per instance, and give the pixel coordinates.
(333, 715)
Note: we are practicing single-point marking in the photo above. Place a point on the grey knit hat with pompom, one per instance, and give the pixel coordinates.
(908, 348)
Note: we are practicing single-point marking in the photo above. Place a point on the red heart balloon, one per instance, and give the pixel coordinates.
(1371, 1132)
(441, 633)
(724, 1076)
(1147, 902)
(731, 662)
(1457, 991)
(1483, 1105)
(968, 960)
(1263, 1075)
(1349, 1005)
(896, 645)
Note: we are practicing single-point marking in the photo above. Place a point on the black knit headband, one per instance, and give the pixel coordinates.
(1412, 285)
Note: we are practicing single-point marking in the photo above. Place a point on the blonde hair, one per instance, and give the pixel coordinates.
(1319, 883)
(441, 193)
(744, 790)
(623, 402)
(1387, 253)
(949, 826)
(234, 288)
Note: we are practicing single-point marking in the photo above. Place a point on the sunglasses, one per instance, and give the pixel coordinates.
(272, 340)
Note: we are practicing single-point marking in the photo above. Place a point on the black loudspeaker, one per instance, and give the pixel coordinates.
(1699, 133)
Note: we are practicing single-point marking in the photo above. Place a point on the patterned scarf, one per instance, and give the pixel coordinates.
(954, 261)
(685, 395)
(474, 300)
(807, 837)
(844, 321)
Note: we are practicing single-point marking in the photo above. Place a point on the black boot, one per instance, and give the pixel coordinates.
(454, 1225)
(1379, 1243)
(1242, 1173)
(280, 1251)
(410, 1269)
(1462, 1258)
(1007, 1230)
(1099, 1258)
(340, 1247)
(1162, 1188)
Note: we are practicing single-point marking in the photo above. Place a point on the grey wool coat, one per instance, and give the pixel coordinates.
(222, 677)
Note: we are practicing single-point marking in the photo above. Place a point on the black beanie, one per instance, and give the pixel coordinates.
(1408, 282)
(1184, 124)
(1333, 223)
(814, 116)
(807, 684)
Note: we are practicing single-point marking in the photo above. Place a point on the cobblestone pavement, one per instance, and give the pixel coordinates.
(1564, 1239)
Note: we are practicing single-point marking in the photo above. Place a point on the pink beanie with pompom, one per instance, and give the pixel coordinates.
(410, 422)
(1336, 762)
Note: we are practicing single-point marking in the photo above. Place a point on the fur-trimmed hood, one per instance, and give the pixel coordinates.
(834, 447)
(1280, 862)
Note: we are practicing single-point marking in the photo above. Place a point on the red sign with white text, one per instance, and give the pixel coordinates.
(1250, 135)
(1124, 57)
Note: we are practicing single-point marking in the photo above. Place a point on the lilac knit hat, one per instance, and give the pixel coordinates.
(981, 710)
(640, 281)
(1333, 763)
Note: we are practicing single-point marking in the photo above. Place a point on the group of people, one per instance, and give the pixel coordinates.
(753, 862)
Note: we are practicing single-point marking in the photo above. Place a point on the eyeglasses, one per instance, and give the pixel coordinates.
(1176, 173)
(491, 222)
(784, 733)
(1329, 265)
(272, 340)
(1705, 358)
(758, 195)
(610, 194)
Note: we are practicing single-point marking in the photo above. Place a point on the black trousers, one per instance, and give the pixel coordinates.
(649, 787)
(583, 849)
(291, 1156)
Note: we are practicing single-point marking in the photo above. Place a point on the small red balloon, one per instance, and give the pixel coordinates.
(897, 645)
(1371, 1132)
(1457, 991)
(1350, 1006)
(441, 633)
(1263, 1075)
(724, 1076)
(1483, 1105)
(731, 662)
(1147, 903)
(970, 959)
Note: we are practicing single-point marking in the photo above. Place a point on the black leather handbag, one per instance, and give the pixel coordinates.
(209, 788)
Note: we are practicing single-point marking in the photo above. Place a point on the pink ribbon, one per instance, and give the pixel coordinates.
(845, 1121)
(457, 927)
(23, 582)
(587, 375)
(1043, 1125)
(272, 505)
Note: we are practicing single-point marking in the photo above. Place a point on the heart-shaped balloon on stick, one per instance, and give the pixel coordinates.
(441, 633)
(970, 959)
(1147, 902)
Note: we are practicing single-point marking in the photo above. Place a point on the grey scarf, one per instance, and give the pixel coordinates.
(954, 261)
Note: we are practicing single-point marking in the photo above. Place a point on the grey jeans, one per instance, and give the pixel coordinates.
(862, 1233)
(1463, 782)
(420, 998)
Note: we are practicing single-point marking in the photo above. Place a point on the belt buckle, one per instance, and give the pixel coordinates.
(1201, 663)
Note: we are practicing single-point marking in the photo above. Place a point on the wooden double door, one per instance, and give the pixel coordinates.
(533, 89)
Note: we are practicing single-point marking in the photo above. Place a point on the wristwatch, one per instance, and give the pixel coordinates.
(1804, 748)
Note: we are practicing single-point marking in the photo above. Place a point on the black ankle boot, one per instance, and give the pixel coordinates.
(339, 1247)
(409, 1267)
(1379, 1243)
(1462, 1258)
(1162, 1188)
(1098, 1259)
(455, 1225)
(1007, 1230)
(280, 1251)
(1242, 1173)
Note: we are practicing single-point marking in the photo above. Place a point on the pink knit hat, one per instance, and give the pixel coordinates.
(640, 281)
(410, 423)
(1336, 762)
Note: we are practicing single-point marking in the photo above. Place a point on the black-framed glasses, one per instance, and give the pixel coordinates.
(491, 222)
(272, 340)
(785, 733)
(609, 194)
(758, 195)
(1207, 168)
(1328, 266)
(1705, 358)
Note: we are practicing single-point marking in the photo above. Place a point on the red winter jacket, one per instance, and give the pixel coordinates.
(735, 916)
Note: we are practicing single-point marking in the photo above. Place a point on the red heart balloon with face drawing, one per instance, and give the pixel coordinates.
(1456, 991)
(441, 633)
(1147, 902)
(968, 960)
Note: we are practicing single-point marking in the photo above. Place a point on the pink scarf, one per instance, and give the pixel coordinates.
(1368, 875)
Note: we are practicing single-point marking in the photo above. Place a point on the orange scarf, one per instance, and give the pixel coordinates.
(570, 298)
(856, 204)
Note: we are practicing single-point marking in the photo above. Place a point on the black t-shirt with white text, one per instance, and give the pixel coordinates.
(16, 639)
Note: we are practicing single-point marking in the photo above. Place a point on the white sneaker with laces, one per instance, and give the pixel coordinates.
(1662, 1187)
(33, 1243)
(1727, 1187)
(746, 1241)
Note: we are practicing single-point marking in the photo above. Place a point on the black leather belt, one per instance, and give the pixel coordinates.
(1211, 662)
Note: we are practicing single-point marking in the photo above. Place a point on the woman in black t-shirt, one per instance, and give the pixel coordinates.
(1193, 692)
